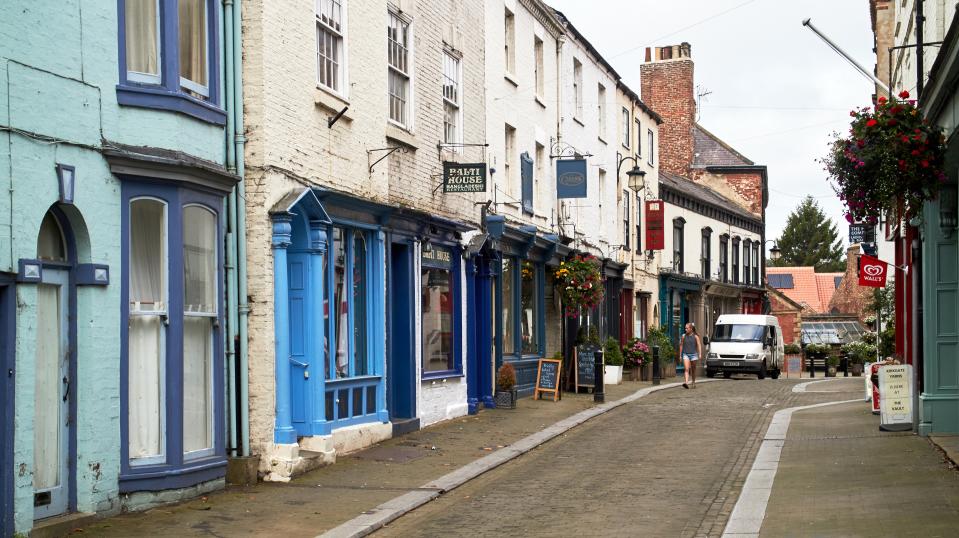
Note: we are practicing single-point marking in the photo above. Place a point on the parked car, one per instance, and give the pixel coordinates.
(746, 344)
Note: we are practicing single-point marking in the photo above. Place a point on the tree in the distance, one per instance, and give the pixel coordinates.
(810, 238)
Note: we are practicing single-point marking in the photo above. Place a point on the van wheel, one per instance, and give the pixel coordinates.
(762, 371)
(710, 372)
(727, 375)
(775, 374)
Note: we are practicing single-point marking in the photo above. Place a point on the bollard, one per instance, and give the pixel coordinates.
(845, 366)
(812, 366)
(599, 396)
(657, 376)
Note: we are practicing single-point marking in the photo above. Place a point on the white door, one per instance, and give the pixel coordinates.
(51, 433)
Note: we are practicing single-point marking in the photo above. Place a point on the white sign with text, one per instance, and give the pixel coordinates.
(895, 397)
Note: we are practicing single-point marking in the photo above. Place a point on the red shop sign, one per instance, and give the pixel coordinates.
(655, 216)
(872, 272)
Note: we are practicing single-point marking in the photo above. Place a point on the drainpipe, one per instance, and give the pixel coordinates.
(244, 307)
(231, 283)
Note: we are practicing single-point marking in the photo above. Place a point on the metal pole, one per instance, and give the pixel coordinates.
(657, 375)
(808, 23)
(920, 74)
(599, 396)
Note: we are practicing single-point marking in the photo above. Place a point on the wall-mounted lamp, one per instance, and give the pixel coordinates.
(30, 271)
(66, 177)
(948, 218)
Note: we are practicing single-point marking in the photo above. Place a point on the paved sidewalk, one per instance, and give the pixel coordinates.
(323, 499)
(840, 476)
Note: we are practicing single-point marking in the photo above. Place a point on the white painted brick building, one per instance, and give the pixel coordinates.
(302, 68)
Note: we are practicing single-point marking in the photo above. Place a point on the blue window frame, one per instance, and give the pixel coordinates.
(522, 283)
(441, 306)
(171, 390)
(169, 57)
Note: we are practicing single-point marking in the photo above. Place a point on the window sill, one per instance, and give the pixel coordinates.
(162, 99)
(579, 121)
(441, 376)
(539, 100)
(331, 102)
(163, 476)
(401, 136)
(511, 79)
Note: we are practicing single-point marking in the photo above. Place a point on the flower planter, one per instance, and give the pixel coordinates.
(612, 375)
(831, 371)
(857, 369)
(632, 374)
(505, 399)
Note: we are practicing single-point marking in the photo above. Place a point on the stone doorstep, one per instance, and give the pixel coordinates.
(58, 526)
(949, 445)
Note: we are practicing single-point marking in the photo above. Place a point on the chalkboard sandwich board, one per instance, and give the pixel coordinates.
(547, 378)
(585, 365)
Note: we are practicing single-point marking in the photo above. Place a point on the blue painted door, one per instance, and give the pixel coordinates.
(300, 347)
(401, 369)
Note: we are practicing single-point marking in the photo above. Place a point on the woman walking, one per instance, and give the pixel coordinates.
(690, 349)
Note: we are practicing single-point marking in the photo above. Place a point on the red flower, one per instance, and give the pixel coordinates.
(881, 99)
(924, 163)
(904, 94)
(861, 143)
(915, 153)
(891, 122)
(871, 123)
(895, 110)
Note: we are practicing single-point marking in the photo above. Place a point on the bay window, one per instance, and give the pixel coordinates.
(170, 368)
(168, 57)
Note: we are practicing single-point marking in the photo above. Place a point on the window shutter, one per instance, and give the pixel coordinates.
(526, 173)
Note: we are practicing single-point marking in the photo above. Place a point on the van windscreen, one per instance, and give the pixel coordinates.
(738, 333)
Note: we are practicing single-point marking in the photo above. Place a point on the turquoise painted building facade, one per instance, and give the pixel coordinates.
(939, 389)
(117, 161)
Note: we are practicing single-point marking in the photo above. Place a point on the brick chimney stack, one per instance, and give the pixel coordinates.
(666, 84)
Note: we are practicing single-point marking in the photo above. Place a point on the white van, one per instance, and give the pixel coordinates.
(745, 344)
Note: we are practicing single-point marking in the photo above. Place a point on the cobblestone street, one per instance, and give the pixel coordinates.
(670, 464)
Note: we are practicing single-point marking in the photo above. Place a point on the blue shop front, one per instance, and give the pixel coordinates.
(363, 348)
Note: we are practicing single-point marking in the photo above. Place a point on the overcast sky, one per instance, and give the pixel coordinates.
(777, 92)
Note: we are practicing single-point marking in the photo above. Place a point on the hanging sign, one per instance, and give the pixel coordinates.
(464, 177)
(547, 378)
(862, 233)
(655, 228)
(571, 178)
(895, 397)
(872, 272)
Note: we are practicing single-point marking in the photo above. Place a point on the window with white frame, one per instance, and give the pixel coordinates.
(398, 54)
(538, 65)
(650, 141)
(601, 110)
(329, 44)
(540, 165)
(639, 139)
(452, 99)
(578, 87)
(626, 128)
(626, 217)
(509, 31)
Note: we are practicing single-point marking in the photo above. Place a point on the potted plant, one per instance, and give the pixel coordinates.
(667, 353)
(870, 321)
(792, 349)
(637, 357)
(613, 362)
(506, 387)
(858, 353)
(580, 284)
(816, 353)
(832, 362)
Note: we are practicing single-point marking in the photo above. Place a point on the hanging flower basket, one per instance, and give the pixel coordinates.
(891, 159)
(580, 284)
